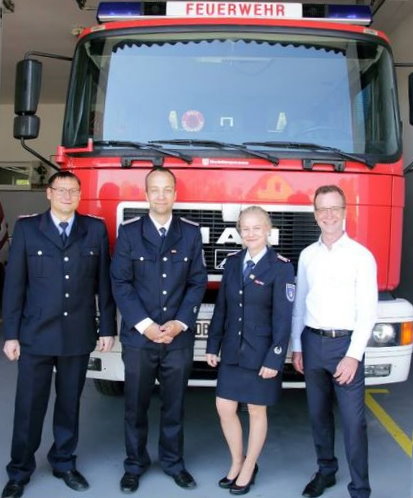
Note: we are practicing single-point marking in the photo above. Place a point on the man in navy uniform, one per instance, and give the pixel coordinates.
(158, 281)
(335, 311)
(58, 263)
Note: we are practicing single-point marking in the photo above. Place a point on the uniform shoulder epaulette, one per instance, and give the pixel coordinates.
(283, 258)
(96, 216)
(190, 221)
(131, 220)
(27, 215)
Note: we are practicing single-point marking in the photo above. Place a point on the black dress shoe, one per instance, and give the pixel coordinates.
(226, 483)
(13, 489)
(129, 482)
(318, 484)
(73, 479)
(184, 480)
(243, 490)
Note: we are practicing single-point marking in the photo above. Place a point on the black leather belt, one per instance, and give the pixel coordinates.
(332, 333)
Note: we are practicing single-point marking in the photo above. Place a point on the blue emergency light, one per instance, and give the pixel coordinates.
(118, 11)
(123, 11)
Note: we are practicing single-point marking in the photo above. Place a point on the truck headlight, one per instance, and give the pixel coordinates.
(384, 334)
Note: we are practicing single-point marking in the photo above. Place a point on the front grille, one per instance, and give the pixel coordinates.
(297, 229)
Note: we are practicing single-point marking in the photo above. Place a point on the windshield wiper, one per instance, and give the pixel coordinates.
(220, 145)
(315, 147)
(145, 146)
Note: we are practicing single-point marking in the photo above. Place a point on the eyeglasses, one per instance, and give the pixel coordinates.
(62, 192)
(332, 210)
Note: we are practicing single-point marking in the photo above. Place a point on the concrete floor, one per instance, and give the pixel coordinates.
(286, 463)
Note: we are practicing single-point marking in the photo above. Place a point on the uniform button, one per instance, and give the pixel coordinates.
(185, 259)
(164, 292)
(240, 305)
(67, 277)
(65, 313)
(163, 275)
(240, 292)
(164, 308)
(39, 253)
(141, 258)
(91, 253)
(67, 295)
(66, 258)
(240, 319)
(239, 333)
(164, 258)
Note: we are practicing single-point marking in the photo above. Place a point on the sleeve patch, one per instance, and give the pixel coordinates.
(290, 292)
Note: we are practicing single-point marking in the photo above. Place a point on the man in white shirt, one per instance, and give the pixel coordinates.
(335, 310)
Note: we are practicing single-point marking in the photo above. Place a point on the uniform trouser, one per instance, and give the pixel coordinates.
(321, 356)
(142, 367)
(32, 397)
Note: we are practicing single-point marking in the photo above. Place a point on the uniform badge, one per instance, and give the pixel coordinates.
(290, 292)
(173, 251)
(251, 276)
(195, 310)
(258, 282)
(278, 350)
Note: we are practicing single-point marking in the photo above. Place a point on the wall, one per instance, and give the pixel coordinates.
(20, 202)
(403, 52)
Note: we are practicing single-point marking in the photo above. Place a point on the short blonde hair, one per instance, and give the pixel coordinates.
(254, 210)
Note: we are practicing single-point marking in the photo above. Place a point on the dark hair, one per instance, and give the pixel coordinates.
(62, 174)
(159, 169)
(327, 189)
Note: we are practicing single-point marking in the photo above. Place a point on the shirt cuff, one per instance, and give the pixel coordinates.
(184, 325)
(143, 325)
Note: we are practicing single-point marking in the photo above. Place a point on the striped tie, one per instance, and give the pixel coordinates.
(63, 225)
(248, 269)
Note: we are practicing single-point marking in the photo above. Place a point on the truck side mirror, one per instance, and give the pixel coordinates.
(26, 99)
(411, 98)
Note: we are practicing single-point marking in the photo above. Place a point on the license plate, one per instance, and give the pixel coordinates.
(202, 329)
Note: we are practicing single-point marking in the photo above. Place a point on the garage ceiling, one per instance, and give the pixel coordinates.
(48, 26)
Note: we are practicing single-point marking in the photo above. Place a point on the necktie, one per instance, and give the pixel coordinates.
(162, 232)
(248, 269)
(63, 225)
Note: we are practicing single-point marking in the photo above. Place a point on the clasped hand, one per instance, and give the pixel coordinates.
(163, 334)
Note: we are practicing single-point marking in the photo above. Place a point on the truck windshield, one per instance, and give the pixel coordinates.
(231, 87)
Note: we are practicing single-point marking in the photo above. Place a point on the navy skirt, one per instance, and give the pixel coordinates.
(244, 385)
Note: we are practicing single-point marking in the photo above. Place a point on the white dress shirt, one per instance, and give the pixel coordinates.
(256, 258)
(336, 289)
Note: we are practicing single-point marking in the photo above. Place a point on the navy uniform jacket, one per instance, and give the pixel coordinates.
(49, 300)
(251, 324)
(162, 281)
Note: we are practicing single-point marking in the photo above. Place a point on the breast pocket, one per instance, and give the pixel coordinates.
(181, 263)
(40, 263)
(89, 260)
(143, 264)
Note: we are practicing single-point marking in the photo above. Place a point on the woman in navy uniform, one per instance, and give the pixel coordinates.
(250, 329)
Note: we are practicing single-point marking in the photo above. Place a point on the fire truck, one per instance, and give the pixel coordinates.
(248, 103)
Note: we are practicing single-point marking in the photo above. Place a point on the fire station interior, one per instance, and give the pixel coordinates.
(288, 459)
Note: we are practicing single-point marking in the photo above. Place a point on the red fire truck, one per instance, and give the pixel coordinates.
(248, 103)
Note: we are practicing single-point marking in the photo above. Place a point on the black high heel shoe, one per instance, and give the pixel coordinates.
(226, 483)
(243, 490)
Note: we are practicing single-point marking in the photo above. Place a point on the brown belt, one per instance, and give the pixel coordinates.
(332, 333)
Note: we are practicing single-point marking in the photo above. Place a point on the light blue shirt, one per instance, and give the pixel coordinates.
(56, 222)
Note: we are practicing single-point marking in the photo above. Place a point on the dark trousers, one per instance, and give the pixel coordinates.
(32, 397)
(142, 367)
(321, 356)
